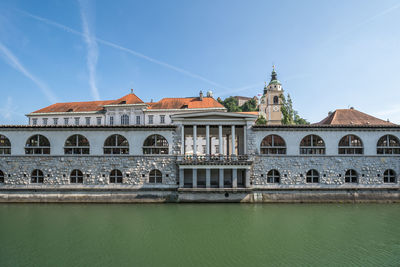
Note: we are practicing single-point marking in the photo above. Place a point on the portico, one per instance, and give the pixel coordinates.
(213, 150)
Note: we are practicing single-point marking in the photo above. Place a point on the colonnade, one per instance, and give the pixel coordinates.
(208, 151)
(221, 177)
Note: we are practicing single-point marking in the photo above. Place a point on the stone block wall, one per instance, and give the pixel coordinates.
(332, 169)
(96, 169)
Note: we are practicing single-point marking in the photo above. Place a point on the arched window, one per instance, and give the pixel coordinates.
(37, 177)
(389, 176)
(276, 100)
(1, 176)
(273, 176)
(351, 144)
(124, 119)
(388, 144)
(116, 177)
(76, 144)
(312, 176)
(273, 144)
(155, 177)
(312, 144)
(5, 145)
(116, 144)
(351, 176)
(37, 144)
(155, 144)
(76, 177)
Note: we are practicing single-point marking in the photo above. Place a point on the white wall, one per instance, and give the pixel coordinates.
(330, 136)
(96, 137)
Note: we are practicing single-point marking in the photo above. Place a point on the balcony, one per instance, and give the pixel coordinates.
(214, 160)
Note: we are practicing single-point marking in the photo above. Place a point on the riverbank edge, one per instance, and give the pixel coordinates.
(370, 195)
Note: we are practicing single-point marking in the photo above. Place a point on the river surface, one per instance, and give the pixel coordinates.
(199, 235)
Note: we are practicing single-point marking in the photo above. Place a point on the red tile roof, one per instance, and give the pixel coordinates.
(128, 99)
(183, 103)
(351, 117)
(75, 107)
(165, 103)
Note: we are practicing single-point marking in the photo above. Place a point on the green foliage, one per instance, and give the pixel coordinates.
(232, 105)
(250, 105)
(290, 116)
(261, 120)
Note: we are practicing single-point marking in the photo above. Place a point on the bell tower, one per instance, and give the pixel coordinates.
(270, 103)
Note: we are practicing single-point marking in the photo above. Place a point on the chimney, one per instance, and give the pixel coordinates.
(351, 107)
(151, 100)
(201, 95)
(209, 94)
(131, 91)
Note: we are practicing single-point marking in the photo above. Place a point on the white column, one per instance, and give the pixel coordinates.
(207, 140)
(208, 178)
(220, 139)
(194, 181)
(233, 146)
(181, 178)
(183, 140)
(221, 178)
(247, 182)
(245, 139)
(234, 178)
(194, 139)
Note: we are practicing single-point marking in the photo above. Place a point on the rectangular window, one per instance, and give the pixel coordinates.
(66, 121)
(34, 121)
(137, 119)
(162, 118)
(77, 121)
(44, 121)
(87, 120)
(98, 120)
(111, 120)
(151, 119)
(55, 121)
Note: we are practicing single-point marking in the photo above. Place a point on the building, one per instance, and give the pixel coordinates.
(271, 102)
(191, 149)
(243, 99)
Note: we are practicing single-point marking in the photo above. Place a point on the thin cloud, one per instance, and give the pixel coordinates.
(127, 50)
(13, 61)
(93, 51)
(362, 23)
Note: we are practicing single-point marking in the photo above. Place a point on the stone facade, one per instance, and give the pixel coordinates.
(96, 169)
(332, 170)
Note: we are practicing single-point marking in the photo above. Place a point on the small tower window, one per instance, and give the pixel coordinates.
(276, 100)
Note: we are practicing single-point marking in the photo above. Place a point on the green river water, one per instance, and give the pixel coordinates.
(199, 235)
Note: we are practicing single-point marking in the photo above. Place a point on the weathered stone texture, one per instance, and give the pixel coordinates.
(95, 169)
(332, 169)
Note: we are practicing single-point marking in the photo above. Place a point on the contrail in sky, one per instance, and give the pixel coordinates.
(130, 51)
(93, 51)
(359, 25)
(13, 61)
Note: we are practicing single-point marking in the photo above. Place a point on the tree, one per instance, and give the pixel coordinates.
(290, 116)
(231, 104)
(261, 120)
(250, 105)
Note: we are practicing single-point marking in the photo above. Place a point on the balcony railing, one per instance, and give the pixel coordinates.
(214, 160)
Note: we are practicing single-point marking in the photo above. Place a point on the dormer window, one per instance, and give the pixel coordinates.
(70, 110)
(185, 106)
(123, 102)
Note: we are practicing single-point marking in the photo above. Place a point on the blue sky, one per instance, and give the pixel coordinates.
(329, 54)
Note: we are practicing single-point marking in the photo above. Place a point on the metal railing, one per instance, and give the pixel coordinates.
(194, 159)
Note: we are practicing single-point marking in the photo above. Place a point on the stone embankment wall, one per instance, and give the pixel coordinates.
(96, 169)
(332, 169)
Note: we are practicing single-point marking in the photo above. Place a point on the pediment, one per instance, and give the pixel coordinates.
(213, 116)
